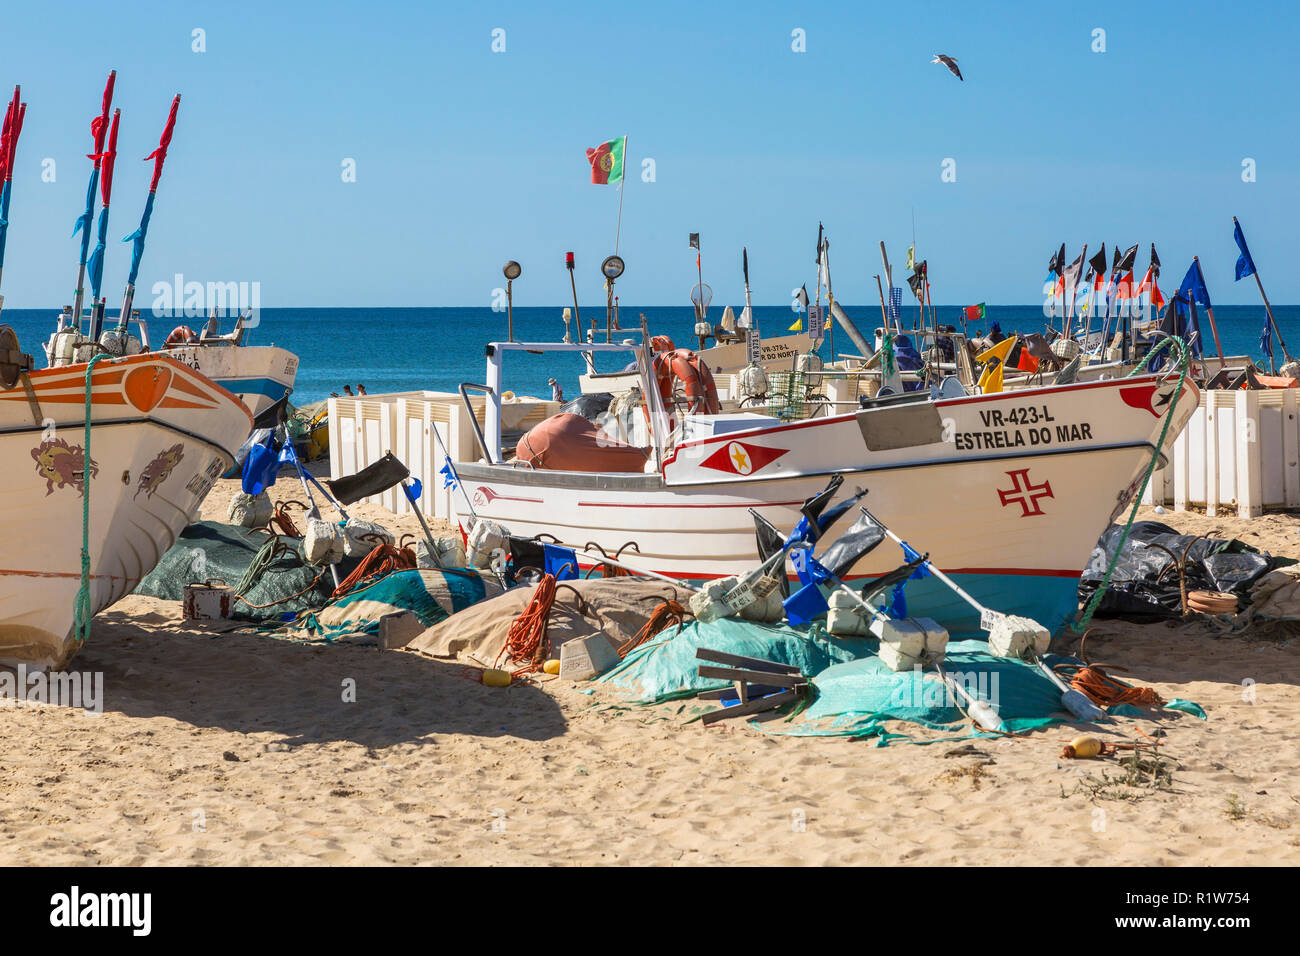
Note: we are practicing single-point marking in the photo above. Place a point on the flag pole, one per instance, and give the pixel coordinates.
(1267, 307)
(1210, 312)
(884, 314)
(13, 126)
(618, 230)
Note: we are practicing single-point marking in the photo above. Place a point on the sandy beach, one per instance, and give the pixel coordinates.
(240, 749)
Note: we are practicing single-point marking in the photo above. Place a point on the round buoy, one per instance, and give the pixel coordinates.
(496, 678)
(1085, 746)
(551, 667)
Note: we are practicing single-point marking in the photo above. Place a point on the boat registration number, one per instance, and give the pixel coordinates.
(1020, 426)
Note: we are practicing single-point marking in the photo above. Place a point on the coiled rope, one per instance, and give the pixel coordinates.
(1183, 361)
(665, 615)
(526, 640)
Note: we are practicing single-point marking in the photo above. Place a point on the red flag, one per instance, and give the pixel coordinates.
(1125, 289)
(160, 154)
(106, 180)
(99, 125)
(1026, 362)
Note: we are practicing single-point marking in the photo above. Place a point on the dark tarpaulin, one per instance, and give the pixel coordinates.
(1136, 586)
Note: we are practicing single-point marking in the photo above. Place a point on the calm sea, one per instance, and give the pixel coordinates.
(391, 350)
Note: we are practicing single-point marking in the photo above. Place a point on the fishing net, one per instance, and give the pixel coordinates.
(666, 668)
(855, 694)
(431, 595)
(212, 551)
(787, 395)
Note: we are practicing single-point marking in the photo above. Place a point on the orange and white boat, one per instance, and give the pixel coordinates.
(160, 435)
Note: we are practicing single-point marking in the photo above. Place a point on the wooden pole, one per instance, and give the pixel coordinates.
(884, 313)
(1210, 312)
(1268, 308)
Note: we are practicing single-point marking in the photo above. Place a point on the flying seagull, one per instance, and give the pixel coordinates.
(949, 62)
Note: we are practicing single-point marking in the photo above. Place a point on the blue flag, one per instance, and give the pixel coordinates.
(804, 605)
(561, 563)
(449, 479)
(1245, 264)
(261, 465)
(1266, 341)
(807, 567)
(895, 302)
(1193, 286)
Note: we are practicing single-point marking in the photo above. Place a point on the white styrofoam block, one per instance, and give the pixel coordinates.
(1014, 636)
(584, 658)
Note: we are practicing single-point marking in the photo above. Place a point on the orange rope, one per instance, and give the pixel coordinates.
(526, 640)
(1105, 691)
(383, 560)
(666, 614)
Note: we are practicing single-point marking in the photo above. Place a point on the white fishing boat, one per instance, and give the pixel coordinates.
(1008, 492)
(258, 375)
(160, 435)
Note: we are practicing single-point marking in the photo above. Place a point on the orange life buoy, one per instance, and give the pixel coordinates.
(685, 366)
(181, 335)
(662, 343)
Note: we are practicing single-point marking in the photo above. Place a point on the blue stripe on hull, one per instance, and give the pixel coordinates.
(254, 386)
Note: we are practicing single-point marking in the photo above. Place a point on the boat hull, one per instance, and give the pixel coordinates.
(1013, 518)
(258, 375)
(160, 437)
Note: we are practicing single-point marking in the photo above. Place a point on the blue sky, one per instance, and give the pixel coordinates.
(466, 157)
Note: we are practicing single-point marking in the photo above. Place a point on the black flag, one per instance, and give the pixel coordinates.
(1057, 265)
(695, 240)
(818, 259)
(803, 295)
(1072, 273)
(744, 263)
(1155, 262)
(1098, 262)
(917, 280)
(1125, 262)
(849, 548)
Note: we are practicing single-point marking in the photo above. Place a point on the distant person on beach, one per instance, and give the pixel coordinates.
(995, 333)
(361, 389)
(557, 393)
(347, 389)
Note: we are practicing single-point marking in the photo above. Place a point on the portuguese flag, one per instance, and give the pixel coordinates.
(974, 312)
(607, 162)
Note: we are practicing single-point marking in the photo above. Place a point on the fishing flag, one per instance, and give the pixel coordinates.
(607, 162)
(911, 256)
(800, 303)
(1071, 281)
(694, 242)
(917, 280)
(158, 156)
(1155, 262)
(818, 258)
(855, 543)
(1149, 284)
(1124, 263)
(1193, 287)
(1057, 264)
(975, 313)
(1245, 264)
(1266, 341)
(1180, 319)
(1097, 265)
